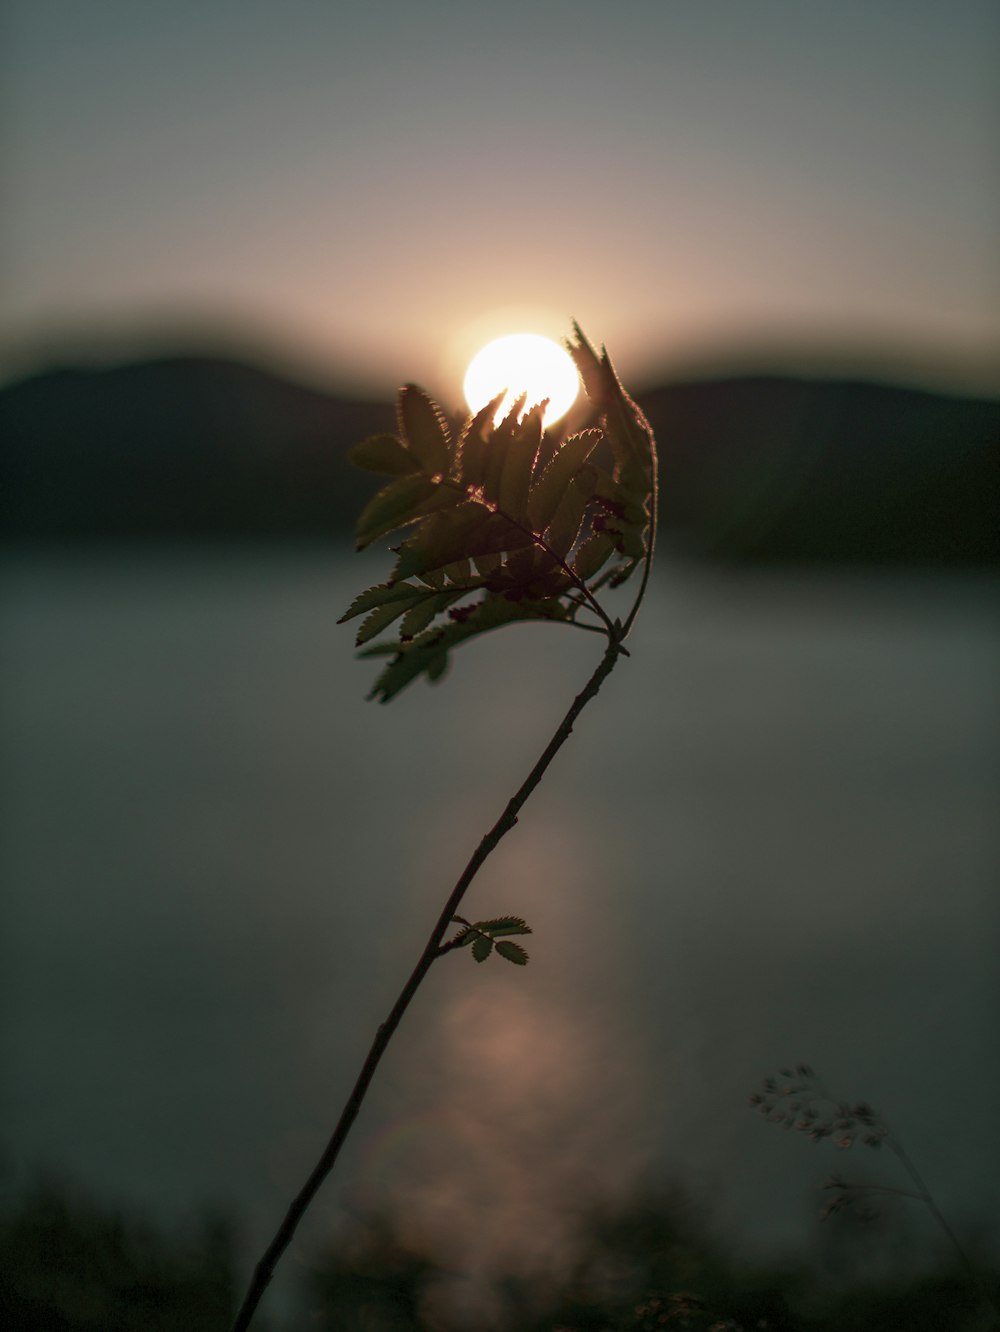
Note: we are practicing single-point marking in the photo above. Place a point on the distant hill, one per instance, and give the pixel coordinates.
(180, 447)
(752, 468)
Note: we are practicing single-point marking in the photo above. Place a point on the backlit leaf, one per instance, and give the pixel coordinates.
(442, 539)
(385, 454)
(564, 528)
(550, 487)
(593, 554)
(422, 655)
(474, 444)
(392, 507)
(515, 478)
(499, 448)
(481, 947)
(418, 617)
(504, 925)
(504, 523)
(623, 422)
(379, 595)
(380, 618)
(512, 952)
(425, 429)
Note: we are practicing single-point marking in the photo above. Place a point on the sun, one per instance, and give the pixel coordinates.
(523, 363)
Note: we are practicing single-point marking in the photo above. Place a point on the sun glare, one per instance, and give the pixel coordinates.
(522, 363)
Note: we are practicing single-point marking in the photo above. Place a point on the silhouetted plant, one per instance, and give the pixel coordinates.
(797, 1099)
(503, 525)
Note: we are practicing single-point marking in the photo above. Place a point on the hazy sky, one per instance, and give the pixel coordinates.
(381, 186)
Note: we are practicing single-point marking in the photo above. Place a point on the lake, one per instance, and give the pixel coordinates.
(771, 839)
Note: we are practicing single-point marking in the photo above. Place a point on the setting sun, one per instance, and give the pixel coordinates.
(522, 363)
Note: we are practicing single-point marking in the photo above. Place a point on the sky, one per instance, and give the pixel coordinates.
(372, 191)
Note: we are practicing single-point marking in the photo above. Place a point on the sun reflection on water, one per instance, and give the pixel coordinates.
(531, 1102)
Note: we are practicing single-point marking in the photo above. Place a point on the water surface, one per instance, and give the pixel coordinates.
(773, 838)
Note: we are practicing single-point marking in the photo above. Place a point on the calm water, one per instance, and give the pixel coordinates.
(772, 839)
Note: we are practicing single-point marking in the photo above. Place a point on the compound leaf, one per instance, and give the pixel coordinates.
(499, 512)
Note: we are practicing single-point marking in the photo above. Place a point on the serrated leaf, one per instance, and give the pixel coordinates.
(418, 617)
(481, 947)
(441, 540)
(564, 528)
(445, 496)
(497, 514)
(393, 506)
(593, 554)
(512, 952)
(518, 462)
(498, 451)
(497, 535)
(424, 653)
(459, 571)
(425, 429)
(623, 421)
(436, 667)
(474, 443)
(517, 572)
(485, 564)
(385, 454)
(380, 618)
(379, 595)
(548, 490)
(470, 531)
(504, 925)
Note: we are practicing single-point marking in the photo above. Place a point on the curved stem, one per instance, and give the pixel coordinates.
(264, 1270)
(654, 514)
(926, 1197)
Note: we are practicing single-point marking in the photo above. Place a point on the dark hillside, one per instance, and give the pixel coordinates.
(174, 448)
(753, 468)
(795, 469)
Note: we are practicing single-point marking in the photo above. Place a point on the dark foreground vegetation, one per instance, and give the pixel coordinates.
(68, 1264)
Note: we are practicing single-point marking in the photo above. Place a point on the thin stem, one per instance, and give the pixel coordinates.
(264, 1270)
(654, 514)
(903, 1157)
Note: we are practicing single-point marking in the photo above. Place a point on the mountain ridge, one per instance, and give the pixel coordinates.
(755, 466)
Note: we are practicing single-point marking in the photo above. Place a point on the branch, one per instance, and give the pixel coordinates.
(538, 539)
(264, 1270)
